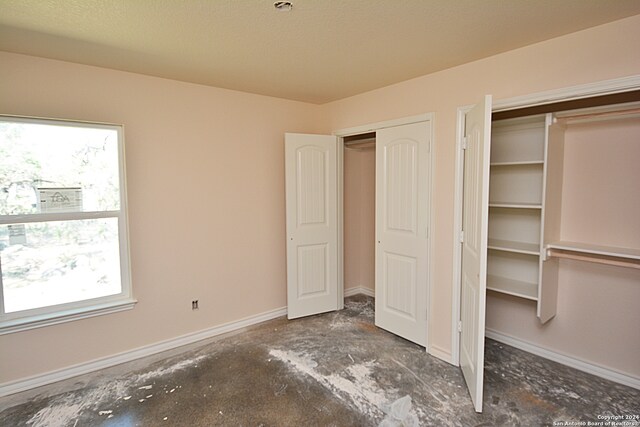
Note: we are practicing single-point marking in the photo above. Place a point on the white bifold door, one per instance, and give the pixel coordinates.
(402, 219)
(475, 216)
(312, 224)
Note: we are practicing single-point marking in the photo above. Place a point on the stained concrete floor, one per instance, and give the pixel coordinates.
(335, 369)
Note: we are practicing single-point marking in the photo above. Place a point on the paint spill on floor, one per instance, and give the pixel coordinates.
(169, 370)
(59, 414)
(340, 322)
(68, 407)
(355, 383)
(399, 414)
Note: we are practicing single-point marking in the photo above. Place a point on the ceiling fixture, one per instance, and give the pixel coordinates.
(283, 6)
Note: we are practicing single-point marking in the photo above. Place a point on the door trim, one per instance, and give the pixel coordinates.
(604, 87)
(372, 127)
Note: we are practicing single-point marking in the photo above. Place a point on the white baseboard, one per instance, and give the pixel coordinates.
(359, 290)
(441, 354)
(564, 359)
(24, 384)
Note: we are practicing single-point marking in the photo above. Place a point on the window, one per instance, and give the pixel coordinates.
(63, 224)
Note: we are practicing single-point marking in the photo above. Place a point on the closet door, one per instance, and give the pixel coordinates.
(475, 213)
(312, 224)
(402, 218)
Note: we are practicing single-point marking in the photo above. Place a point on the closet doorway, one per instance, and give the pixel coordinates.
(359, 218)
(519, 239)
(401, 244)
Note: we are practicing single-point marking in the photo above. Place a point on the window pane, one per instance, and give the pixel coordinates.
(57, 168)
(51, 263)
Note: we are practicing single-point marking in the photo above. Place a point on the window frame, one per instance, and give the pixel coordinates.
(60, 313)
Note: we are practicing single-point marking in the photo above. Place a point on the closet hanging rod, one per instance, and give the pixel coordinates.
(599, 116)
(363, 143)
(598, 259)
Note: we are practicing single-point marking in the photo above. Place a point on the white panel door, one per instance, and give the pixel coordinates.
(475, 213)
(312, 224)
(402, 219)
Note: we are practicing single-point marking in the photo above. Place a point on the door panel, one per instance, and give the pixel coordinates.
(312, 233)
(401, 271)
(402, 218)
(475, 212)
(312, 270)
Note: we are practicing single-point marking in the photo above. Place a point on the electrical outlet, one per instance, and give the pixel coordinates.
(194, 304)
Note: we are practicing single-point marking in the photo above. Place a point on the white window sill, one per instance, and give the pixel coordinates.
(63, 316)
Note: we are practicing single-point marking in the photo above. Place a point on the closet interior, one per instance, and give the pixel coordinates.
(563, 184)
(359, 211)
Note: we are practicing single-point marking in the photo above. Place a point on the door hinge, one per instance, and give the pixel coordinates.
(459, 326)
(464, 143)
(461, 236)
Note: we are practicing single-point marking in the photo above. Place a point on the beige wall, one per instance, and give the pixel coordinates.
(220, 155)
(596, 54)
(359, 218)
(601, 183)
(205, 171)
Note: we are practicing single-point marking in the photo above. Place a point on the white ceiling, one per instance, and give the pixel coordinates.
(321, 51)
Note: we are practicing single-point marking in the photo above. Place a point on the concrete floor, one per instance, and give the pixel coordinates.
(335, 369)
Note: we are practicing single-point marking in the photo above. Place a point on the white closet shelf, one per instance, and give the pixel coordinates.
(517, 247)
(610, 255)
(515, 205)
(512, 287)
(519, 163)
